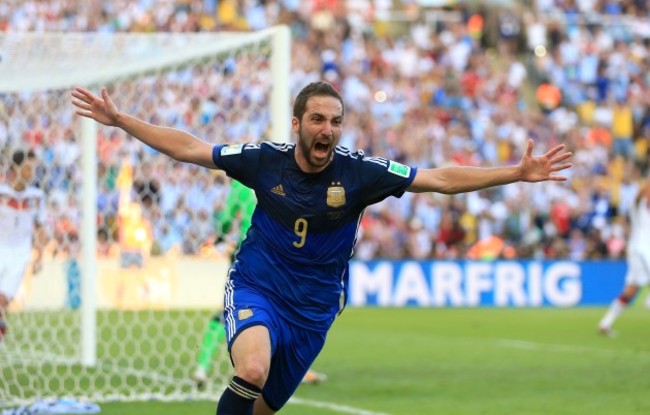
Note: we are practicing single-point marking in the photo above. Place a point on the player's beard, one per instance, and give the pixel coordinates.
(307, 147)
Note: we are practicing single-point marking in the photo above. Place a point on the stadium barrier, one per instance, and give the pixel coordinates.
(519, 283)
(162, 283)
(198, 283)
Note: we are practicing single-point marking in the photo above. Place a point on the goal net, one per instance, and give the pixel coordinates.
(136, 260)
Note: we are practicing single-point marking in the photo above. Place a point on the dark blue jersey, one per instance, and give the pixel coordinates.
(304, 227)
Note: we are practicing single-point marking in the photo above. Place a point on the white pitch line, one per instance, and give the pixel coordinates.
(549, 347)
(40, 359)
(529, 345)
(333, 407)
(170, 379)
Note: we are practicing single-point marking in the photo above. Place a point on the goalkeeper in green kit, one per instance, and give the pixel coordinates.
(234, 220)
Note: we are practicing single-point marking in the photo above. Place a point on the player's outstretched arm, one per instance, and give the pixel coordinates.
(175, 143)
(40, 240)
(451, 180)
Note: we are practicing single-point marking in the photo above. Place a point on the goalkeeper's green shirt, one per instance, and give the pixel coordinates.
(241, 200)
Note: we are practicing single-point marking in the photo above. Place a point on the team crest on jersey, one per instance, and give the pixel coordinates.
(278, 190)
(335, 195)
(244, 314)
(232, 149)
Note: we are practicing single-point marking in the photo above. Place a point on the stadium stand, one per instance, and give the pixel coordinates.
(441, 87)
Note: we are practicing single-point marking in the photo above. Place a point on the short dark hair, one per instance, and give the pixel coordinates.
(20, 156)
(314, 89)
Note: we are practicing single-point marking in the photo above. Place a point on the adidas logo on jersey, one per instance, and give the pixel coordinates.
(278, 190)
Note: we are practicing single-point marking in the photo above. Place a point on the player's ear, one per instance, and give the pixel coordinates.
(295, 124)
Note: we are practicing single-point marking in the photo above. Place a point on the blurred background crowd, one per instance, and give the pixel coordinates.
(425, 83)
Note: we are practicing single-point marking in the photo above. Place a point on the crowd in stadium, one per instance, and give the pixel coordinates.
(464, 87)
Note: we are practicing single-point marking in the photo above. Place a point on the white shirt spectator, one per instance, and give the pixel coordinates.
(459, 55)
(536, 34)
(586, 6)
(516, 74)
(4, 135)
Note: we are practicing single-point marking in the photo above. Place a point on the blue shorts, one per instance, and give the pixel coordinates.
(293, 349)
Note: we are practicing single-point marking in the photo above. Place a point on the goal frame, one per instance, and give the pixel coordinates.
(33, 67)
(280, 132)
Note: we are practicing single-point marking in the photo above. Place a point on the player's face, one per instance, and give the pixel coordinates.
(319, 132)
(25, 173)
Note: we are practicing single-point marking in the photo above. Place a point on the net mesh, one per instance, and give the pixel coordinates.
(161, 260)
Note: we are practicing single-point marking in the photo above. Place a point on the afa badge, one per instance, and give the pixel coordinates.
(244, 313)
(335, 195)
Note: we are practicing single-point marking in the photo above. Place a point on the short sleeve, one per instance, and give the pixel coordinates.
(239, 161)
(382, 178)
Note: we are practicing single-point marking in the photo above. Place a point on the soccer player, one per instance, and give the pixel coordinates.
(234, 219)
(22, 213)
(638, 259)
(290, 276)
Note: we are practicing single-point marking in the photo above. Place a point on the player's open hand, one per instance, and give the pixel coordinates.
(544, 167)
(101, 109)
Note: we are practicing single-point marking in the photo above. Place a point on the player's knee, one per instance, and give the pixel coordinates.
(629, 293)
(253, 371)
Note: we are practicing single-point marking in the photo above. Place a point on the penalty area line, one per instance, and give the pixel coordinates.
(333, 406)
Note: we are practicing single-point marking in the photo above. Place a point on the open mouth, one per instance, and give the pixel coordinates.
(321, 149)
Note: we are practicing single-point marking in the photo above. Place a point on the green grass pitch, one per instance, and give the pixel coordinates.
(468, 361)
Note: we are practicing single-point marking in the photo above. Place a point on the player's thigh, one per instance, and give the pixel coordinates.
(294, 356)
(638, 271)
(251, 327)
(252, 348)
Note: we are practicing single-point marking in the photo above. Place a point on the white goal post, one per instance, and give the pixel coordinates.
(134, 267)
